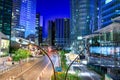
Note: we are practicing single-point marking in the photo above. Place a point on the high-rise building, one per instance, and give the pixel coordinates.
(51, 33)
(109, 9)
(28, 16)
(16, 8)
(66, 32)
(83, 17)
(37, 29)
(23, 18)
(61, 28)
(5, 17)
(38, 39)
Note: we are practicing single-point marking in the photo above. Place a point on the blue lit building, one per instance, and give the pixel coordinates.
(83, 17)
(5, 17)
(38, 32)
(51, 33)
(28, 16)
(109, 9)
(62, 32)
(105, 43)
(15, 18)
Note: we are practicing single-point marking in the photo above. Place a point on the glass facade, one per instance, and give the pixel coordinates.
(15, 31)
(62, 26)
(51, 33)
(5, 16)
(109, 11)
(28, 16)
(83, 17)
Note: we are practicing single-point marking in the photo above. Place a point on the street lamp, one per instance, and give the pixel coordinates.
(72, 63)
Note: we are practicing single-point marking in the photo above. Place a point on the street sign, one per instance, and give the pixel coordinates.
(58, 69)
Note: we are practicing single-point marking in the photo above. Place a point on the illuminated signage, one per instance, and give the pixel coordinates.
(107, 1)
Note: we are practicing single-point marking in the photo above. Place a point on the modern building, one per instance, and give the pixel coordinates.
(61, 34)
(28, 16)
(16, 8)
(5, 17)
(31, 37)
(38, 33)
(37, 29)
(109, 9)
(51, 33)
(66, 32)
(4, 44)
(104, 44)
(83, 17)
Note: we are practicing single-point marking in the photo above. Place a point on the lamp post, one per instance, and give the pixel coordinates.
(72, 63)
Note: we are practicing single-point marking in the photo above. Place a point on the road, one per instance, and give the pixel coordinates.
(16, 70)
(86, 74)
(41, 70)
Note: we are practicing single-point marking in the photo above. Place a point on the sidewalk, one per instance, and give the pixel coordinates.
(5, 64)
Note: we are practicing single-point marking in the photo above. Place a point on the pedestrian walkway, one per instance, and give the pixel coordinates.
(5, 64)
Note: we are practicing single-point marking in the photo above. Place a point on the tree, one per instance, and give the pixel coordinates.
(21, 54)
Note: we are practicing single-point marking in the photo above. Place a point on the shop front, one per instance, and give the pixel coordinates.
(4, 45)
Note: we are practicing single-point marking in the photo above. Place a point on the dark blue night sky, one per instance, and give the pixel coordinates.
(51, 9)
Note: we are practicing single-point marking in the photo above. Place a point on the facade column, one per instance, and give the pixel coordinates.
(111, 35)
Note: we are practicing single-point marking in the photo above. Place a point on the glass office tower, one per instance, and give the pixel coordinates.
(28, 16)
(5, 17)
(62, 31)
(16, 8)
(109, 9)
(83, 17)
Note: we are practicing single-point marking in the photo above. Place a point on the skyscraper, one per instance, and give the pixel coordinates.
(83, 17)
(5, 17)
(61, 28)
(16, 8)
(66, 32)
(28, 16)
(38, 28)
(109, 9)
(51, 33)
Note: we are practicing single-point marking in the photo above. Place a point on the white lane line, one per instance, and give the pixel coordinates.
(42, 72)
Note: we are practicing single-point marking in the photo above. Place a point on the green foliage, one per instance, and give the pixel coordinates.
(63, 60)
(61, 76)
(21, 54)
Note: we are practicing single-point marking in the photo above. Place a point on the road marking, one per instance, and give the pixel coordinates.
(42, 72)
(51, 74)
(26, 69)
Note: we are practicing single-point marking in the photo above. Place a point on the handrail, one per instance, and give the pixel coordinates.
(50, 61)
(72, 63)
